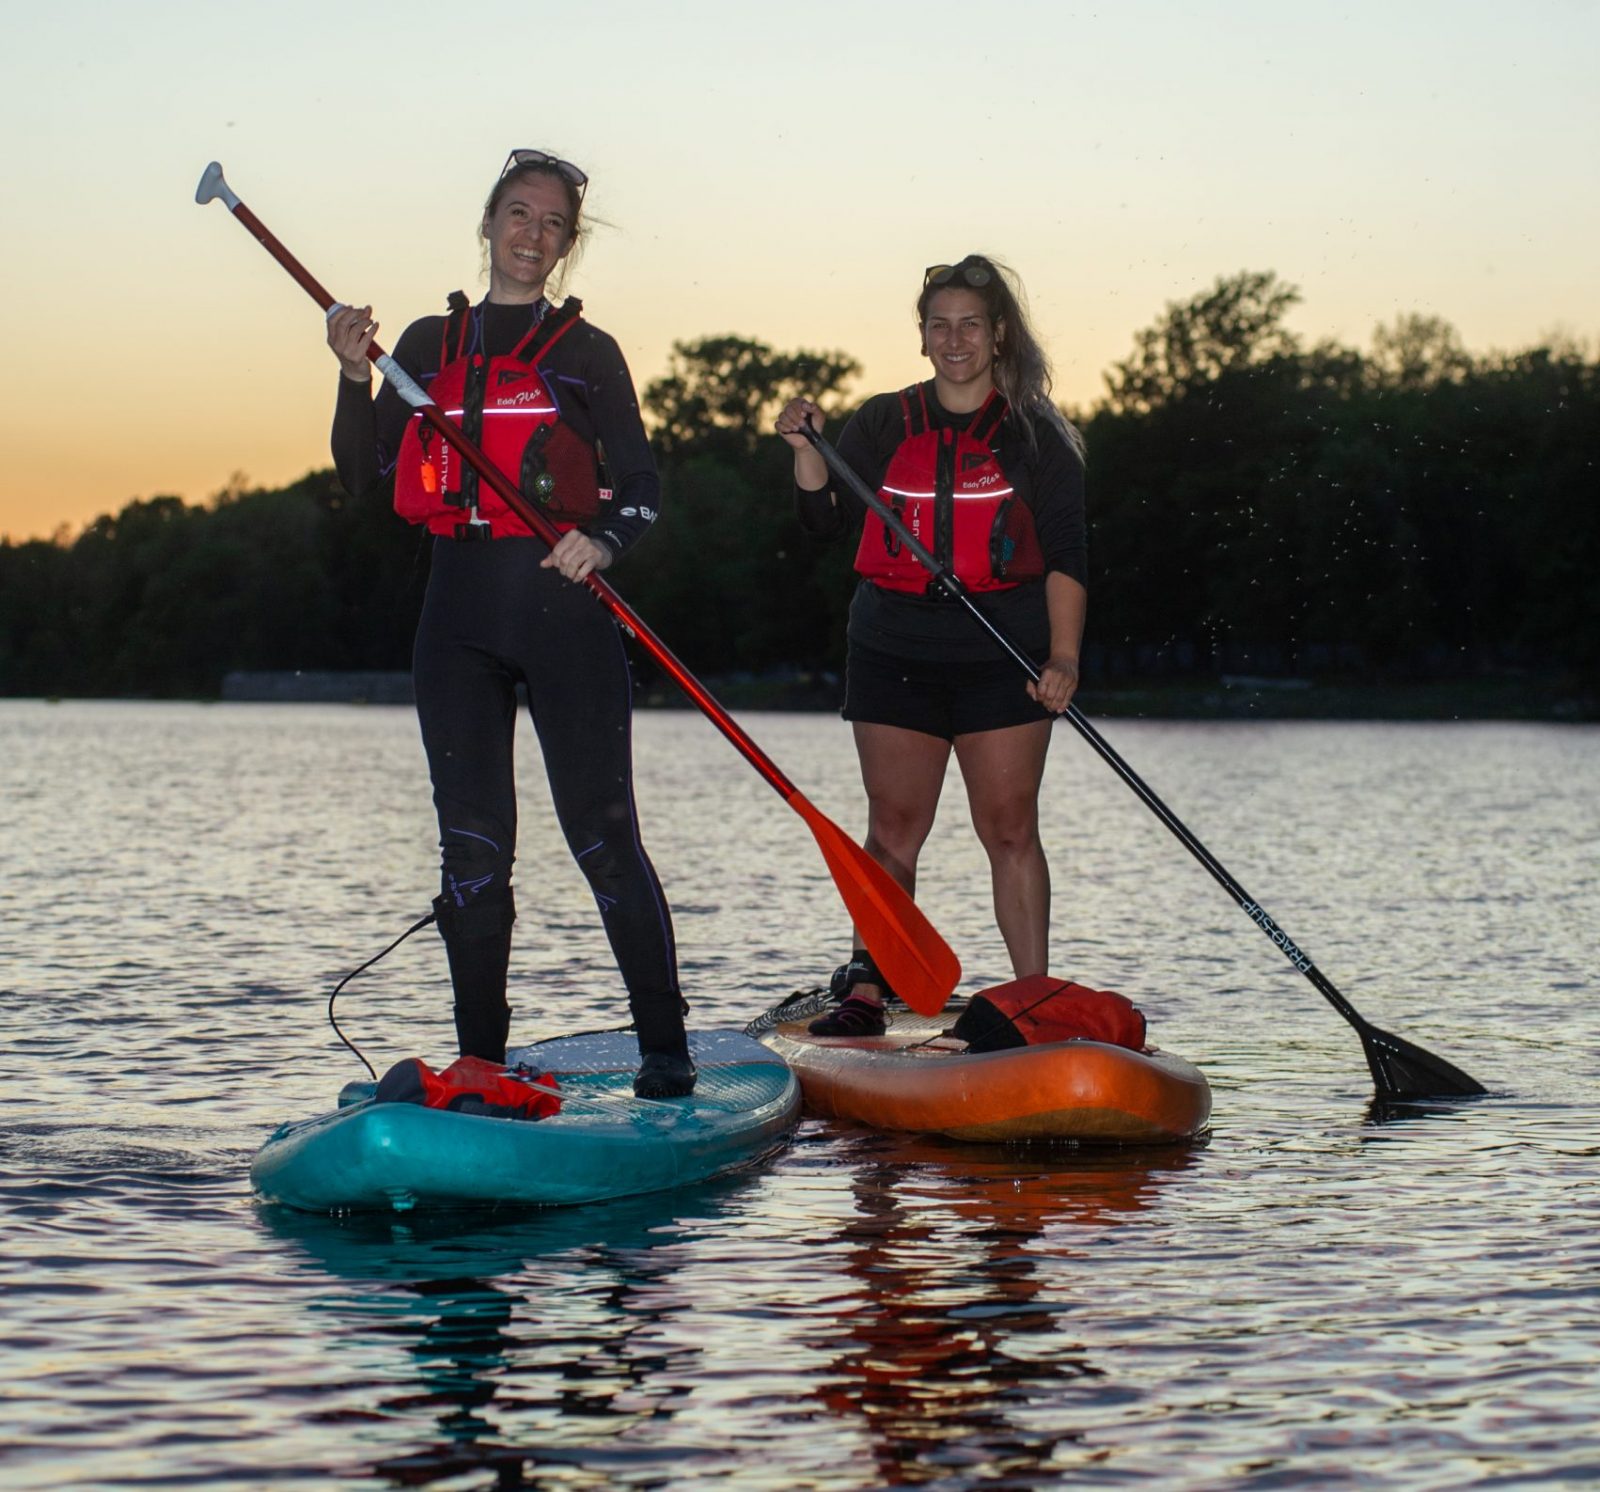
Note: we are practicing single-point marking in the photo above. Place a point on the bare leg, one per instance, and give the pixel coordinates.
(903, 773)
(1002, 770)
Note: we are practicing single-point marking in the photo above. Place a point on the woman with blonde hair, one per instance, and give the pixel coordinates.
(543, 392)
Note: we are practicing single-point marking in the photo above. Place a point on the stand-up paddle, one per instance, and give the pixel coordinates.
(1400, 1069)
(914, 958)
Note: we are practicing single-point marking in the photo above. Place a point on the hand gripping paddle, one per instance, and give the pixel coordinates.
(1400, 1069)
(916, 961)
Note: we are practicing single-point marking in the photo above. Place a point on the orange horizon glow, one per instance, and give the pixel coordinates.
(749, 177)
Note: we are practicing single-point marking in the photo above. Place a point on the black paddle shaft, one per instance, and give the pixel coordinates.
(1399, 1069)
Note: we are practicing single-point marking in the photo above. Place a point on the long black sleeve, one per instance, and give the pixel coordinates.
(355, 437)
(1048, 477)
(367, 430)
(585, 372)
(1047, 474)
(596, 378)
(867, 443)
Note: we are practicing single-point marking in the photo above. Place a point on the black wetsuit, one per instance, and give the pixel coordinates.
(493, 618)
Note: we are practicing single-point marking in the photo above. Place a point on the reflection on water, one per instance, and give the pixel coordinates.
(940, 1314)
(953, 1320)
(1329, 1293)
(474, 1312)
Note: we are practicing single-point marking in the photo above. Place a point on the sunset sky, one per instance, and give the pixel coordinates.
(773, 172)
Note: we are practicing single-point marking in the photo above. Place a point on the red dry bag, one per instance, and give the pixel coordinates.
(1041, 1009)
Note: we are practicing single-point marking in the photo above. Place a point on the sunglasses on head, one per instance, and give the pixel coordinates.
(564, 169)
(975, 275)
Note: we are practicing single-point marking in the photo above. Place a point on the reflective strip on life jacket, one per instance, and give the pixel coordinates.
(948, 487)
(507, 409)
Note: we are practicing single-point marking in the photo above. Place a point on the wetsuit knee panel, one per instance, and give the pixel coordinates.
(601, 861)
(473, 864)
(475, 918)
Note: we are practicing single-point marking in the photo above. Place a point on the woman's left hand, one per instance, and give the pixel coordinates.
(577, 556)
(1058, 682)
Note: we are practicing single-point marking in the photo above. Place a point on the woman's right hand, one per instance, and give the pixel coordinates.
(798, 412)
(810, 470)
(350, 333)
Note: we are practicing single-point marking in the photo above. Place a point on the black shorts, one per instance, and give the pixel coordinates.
(937, 698)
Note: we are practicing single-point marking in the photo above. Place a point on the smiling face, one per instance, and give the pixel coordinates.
(959, 339)
(529, 233)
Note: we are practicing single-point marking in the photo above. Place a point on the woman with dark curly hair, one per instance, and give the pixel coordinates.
(988, 474)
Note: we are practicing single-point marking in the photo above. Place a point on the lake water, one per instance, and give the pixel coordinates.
(1320, 1295)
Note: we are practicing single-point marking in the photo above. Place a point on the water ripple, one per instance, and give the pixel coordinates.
(1327, 1292)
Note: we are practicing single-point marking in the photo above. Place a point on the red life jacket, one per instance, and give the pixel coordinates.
(950, 490)
(504, 406)
(470, 1085)
(1041, 1009)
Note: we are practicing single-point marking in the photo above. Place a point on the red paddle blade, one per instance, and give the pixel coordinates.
(915, 960)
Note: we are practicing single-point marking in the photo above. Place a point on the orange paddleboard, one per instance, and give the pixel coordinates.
(915, 1078)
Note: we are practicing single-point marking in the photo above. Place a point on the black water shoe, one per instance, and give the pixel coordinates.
(665, 1075)
(855, 1017)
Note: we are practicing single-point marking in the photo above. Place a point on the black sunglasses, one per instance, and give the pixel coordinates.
(976, 275)
(564, 169)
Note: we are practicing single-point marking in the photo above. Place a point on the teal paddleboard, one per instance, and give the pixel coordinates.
(604, 1143)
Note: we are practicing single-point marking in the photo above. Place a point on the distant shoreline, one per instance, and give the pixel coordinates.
(1508, 697)
(1234, 698)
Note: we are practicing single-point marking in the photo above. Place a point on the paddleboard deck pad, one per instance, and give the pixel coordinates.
(915, 1078)
(604, 1142)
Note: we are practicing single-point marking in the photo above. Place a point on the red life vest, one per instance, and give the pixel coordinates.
(471, 1085)
(504, 406)
(950, 490)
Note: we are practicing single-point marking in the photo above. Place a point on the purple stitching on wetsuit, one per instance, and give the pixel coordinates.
(470, 835)
(550, 382)
(603, 901)
(474, 887)
(457, 887)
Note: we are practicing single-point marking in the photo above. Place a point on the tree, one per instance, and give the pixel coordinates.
(1254, 506)
(1417, 352)
(1237, 324)
(721, 394)
(730, 579)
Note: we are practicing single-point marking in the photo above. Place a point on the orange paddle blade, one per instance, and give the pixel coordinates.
(915, 960)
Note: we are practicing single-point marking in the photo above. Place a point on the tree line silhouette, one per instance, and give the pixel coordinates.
(1257, 505)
